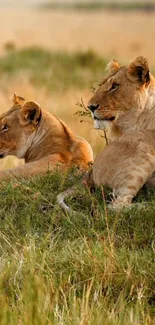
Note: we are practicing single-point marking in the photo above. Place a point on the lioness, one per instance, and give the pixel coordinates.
(125, 100)
(43, 140)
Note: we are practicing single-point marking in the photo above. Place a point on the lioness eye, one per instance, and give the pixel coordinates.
(4, 127)
(114, 86)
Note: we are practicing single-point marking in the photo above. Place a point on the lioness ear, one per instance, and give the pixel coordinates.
(18, 100)
(139, 70)
(113, 66)
(30, 113)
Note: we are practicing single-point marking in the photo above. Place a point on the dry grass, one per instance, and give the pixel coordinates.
(118, 35)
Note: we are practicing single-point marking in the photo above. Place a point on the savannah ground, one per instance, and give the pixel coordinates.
(96, 266)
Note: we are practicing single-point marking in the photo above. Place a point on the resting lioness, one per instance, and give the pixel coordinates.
(41, 139)
(125, 100)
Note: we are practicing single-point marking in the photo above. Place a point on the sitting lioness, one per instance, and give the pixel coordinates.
(41, 139)
(124, 102)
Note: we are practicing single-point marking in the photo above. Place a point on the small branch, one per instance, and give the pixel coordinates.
(105, 137)
(85, 111)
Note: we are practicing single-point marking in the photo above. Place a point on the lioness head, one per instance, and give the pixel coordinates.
(122, 94)
(17, 127)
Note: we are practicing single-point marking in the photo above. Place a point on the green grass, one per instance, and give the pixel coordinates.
(93, 267)
(101, 5)
(53, 70)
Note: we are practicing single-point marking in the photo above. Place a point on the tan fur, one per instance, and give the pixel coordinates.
(125, 102)
(113, 66)
(43, 140)
(131, 105)
(126, 164)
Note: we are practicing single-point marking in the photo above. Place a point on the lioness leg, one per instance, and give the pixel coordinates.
(123, 200)
(34, 168)
(128, 186)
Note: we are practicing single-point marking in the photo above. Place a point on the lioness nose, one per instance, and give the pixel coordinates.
(93, 107)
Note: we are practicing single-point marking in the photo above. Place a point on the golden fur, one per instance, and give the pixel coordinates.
(41, 139)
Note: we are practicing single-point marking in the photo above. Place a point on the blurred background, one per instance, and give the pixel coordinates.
(55, 52)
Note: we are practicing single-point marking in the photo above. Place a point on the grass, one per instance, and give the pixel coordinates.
(93, 267)
(56, 71)
(101, 5)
